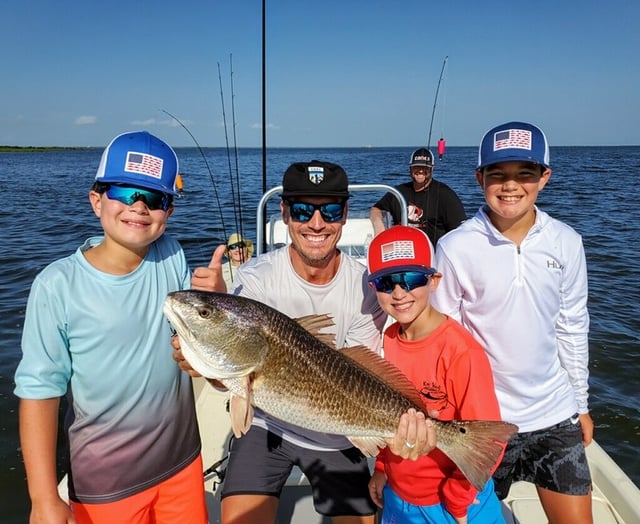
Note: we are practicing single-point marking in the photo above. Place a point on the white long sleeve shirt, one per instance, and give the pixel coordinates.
(527, 305)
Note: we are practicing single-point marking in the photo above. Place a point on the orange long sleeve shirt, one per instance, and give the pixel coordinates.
(453, 374)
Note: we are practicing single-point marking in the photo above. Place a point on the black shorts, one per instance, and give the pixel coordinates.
(260, 463)
(552, 458)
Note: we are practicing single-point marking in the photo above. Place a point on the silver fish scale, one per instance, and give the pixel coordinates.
(307, 383)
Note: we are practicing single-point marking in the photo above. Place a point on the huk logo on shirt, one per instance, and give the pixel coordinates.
(554, 264)
(316, 174)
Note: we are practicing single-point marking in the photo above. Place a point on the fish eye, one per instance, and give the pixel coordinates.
(204, 312)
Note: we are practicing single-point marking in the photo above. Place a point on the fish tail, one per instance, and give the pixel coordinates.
(476, 447)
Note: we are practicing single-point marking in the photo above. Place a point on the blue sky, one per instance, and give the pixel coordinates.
(339, 72)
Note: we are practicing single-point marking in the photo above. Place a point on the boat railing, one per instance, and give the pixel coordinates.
(356, 233)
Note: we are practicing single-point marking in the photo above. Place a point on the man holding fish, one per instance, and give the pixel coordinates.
(309, 277)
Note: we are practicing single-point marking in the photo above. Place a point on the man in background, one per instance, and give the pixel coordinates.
(431, 205)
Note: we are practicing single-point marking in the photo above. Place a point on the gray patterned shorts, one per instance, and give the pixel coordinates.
(552, 458)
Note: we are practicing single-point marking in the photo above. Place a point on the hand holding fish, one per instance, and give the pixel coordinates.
(210, 278)
(185, 366)
(179, 358)
(415, 436)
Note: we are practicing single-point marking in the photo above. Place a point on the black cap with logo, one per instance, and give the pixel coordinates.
(422, 157)
(315, 178)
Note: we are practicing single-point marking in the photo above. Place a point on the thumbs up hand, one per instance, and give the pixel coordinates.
(210, 278)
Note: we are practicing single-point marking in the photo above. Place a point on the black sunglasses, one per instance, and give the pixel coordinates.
(303, 211)
(130, 195)
(408, 280)
(237, 245)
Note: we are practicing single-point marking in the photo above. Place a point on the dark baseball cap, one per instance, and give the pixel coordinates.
(315, 178)
(422, 157)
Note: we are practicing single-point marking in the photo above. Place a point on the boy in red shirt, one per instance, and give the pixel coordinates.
(448, 367)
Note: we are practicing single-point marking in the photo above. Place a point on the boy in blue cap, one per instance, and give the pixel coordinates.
(517, 279)
(94, 328)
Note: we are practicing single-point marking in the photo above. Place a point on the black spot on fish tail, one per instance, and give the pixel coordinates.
(476, 448)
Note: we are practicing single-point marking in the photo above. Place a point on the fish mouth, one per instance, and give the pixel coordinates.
(187, 340)
(176, 322)
(187, 343)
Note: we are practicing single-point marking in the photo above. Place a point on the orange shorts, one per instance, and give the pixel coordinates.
(179, 499)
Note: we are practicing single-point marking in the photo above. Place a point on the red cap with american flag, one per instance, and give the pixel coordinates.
(398, 249)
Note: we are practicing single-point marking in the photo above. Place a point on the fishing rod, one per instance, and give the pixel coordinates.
(213, 182)
(435, 101)
(264, 116)
(238, 216)
(234, 199)
(226, 136)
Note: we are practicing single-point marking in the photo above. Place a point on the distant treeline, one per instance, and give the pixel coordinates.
(36, 149)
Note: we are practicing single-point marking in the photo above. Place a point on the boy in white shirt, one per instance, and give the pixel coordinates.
(517, 279)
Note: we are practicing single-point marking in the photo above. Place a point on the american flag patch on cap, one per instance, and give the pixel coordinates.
(512, 139)
(397, 250)
(144, 164)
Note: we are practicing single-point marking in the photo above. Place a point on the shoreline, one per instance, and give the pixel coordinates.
(39, 149)
(45, 149)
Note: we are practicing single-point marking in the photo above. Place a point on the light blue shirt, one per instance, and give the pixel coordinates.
(132, 418)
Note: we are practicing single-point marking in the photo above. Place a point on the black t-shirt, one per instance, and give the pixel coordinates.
(436, 209)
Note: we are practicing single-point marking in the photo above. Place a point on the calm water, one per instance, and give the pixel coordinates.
(46, 215)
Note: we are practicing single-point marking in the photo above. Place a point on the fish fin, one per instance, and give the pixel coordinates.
(240, 409)
(387, 372)
(241, 413)
(314, 323)
(369, 446)
(477, 447)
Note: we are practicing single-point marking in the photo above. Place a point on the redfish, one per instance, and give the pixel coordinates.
(290, 370)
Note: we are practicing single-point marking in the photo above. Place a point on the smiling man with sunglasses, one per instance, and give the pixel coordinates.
(312, 277)
(314, 207)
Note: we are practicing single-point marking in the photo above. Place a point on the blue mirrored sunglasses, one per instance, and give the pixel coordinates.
(303, 211)
(408, 280)
(130, 195)
(237, 245)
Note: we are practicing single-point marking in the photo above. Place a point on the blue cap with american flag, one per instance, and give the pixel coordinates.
(139, 159)
(514, 141)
